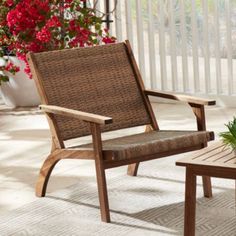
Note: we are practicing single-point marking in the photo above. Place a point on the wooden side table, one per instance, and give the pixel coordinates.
(214, 161)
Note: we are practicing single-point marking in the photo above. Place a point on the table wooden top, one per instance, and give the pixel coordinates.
(216, 155)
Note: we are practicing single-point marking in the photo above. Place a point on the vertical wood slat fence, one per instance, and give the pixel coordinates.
(181, 45)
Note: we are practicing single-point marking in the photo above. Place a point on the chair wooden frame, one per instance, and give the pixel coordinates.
(103, 159)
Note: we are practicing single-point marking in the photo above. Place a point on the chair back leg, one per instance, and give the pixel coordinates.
(133, 169)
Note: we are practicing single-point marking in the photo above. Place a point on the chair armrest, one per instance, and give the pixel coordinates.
(85, 116)
(197, 104)
(180, 97)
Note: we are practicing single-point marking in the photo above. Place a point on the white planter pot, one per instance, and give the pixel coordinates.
(20, 91)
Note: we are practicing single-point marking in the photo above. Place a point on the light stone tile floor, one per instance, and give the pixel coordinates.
(25, 143)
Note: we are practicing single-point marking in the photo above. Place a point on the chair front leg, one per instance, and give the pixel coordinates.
(45, 173)
(102, 192)
(100, 173)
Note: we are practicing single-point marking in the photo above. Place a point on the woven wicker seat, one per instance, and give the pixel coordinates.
(97, 89)
(145, 144)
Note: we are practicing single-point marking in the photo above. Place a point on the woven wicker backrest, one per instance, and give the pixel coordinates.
(98, 80)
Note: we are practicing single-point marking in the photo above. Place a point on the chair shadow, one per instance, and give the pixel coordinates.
(199, 183)
(169, 216)
(118, 212)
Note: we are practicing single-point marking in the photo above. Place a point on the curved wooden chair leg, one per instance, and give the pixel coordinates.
(44, 175)
(133, 169)
(207, 188)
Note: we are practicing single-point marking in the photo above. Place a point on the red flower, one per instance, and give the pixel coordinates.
(27, 70)
(53, 22)
(10, 67)
(9, 3)
(21, 56)
(37, 25)
(108, 40)
(44, 35)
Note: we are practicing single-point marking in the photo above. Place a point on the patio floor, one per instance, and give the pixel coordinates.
(25, 143)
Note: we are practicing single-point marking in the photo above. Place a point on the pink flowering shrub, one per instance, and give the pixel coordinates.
(42, 25)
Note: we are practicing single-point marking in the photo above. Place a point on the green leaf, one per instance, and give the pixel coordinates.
(97, 26)
(4, 78)
(229, 137)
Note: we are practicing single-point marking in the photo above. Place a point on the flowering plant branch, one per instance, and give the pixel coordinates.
(42, 25)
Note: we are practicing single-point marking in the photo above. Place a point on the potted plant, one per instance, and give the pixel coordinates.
(229, 137)
(42, 25)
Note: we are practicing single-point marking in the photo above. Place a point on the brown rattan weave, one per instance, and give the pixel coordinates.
(98, 80)
(145, 144)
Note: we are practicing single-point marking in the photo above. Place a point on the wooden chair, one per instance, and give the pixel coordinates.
(96, 89)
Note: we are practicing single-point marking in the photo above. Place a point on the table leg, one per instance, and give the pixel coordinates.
(190, 203)
(207, 189)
